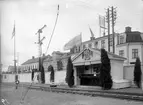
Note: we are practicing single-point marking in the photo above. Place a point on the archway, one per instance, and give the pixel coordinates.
(52, 74)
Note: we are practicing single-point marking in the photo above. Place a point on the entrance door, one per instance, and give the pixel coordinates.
(90, 79)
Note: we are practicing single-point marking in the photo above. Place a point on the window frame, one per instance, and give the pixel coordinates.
(102, 43)
(134, 53)
(121, 53)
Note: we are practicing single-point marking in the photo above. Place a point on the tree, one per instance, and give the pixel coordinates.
(105, 76)
(41, 69)
(137, 73)
(52, 74)
(69, 74)
(32, 74)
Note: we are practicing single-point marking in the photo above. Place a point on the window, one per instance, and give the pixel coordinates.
(95, 44)
(89, 45)
(111, 41)
(59, 65)
(121, 53)
(121, 39)
(84, 46)
(4, 76)
(102, 43)
(134, 53)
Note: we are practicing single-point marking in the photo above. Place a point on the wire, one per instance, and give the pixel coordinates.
(23, 96)
(53, 30)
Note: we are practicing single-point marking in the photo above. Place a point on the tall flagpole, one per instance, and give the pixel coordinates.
(15, 68)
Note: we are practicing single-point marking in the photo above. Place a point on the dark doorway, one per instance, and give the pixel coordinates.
(91, 79)
(52, 74)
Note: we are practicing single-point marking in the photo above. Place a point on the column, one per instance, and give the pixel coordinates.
(75, 76)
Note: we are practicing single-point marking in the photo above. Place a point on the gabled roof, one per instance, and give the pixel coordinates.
(114, 56)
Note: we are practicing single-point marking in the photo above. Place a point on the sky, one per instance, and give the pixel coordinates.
(75, 17)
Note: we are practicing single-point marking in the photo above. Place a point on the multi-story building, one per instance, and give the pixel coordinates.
(128, 44)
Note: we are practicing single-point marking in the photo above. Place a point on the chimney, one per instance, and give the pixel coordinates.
(33, 57)
(43, 55)
(92, 38)
(127, 29)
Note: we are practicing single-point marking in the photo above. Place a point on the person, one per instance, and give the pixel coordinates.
(16, 82)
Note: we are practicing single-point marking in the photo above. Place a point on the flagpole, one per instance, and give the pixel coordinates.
(15, 68)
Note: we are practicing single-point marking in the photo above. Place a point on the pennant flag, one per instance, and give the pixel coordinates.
(92, 35)
(73, 42)
(13, 32)
(101, 21)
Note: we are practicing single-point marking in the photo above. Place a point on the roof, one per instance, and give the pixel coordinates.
(109, 53)
(134, 36)
(33, 60)
(11, 68)
(114, 55)
(99, 38)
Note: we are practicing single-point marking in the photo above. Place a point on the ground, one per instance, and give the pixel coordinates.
(37, 97)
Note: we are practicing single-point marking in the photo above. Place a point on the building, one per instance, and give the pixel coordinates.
(128, 44)
(58, 60)
(31, 64)
(11, 69)
(87, 68)
(86, 61)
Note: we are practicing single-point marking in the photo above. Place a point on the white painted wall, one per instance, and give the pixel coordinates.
(117, 70)
(60, 77)
(129, 72)
(26, 77)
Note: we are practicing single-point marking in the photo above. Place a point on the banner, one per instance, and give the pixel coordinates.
(73, 42)
(101, 21)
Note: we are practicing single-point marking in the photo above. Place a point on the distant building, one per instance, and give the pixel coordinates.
(11, 69)
(128, 44)
(31, 64)
(58, 60)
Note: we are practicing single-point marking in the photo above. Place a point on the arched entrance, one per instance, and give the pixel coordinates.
(52, 73)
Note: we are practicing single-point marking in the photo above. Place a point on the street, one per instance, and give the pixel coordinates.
(11, 96)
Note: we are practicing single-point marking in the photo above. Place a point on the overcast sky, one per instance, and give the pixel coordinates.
(75, 16)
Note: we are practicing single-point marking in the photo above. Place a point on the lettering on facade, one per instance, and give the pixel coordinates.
(87, 54)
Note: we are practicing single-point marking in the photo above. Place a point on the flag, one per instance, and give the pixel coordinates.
(92, 35)
(101, 21)
(13, 32)
(73, 42)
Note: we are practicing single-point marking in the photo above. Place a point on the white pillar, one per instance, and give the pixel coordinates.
(75, 76)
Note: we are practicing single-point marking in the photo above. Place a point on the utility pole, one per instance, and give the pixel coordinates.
(108, 23)
(114, 14)
(40, 43)
(111, 17)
